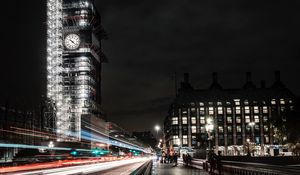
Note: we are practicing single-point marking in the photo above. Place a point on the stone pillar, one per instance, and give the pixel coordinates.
(180, 127)
(225, 132)
(189, 128)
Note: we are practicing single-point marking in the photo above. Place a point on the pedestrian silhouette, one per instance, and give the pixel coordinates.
(175, 159)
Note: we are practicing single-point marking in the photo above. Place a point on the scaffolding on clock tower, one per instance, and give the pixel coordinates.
(55, 69)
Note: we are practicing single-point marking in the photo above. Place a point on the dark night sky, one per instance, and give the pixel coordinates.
(149, 41)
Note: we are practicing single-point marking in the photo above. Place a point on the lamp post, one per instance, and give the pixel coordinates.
(209, 128)
(248, 142)
(51, 146)
(157, 128)
(252, 124)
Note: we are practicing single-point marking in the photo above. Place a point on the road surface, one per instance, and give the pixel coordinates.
(121, 167)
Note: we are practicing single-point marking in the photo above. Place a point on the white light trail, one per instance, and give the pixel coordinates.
(86, 169)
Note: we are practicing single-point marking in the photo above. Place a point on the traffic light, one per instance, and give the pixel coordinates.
(74, 153)
(95, 151)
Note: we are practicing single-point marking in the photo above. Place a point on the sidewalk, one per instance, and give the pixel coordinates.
(168, 169)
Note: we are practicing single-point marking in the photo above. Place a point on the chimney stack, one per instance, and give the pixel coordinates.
(215, 77)
(248, 77)
(186, 78)
(277, 76)
(263, 84)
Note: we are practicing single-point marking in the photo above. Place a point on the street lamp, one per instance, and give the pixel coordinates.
(252, 124)
(51, 144)
(157, 128)
(209, 128)
(248, 151)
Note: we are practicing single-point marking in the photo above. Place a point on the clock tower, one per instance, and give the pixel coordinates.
(74, 66)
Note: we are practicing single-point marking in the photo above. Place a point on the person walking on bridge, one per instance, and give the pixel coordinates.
(175, 159)
(218, 162)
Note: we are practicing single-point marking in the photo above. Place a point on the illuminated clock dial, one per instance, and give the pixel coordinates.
(72, 41)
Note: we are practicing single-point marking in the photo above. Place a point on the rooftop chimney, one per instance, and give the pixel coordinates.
(186, 78)
(215, 84)
(263, 84)
(278, 83)
(249, 84)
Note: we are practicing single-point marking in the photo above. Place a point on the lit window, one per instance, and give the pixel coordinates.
(229, 129)
(174, 121)
(265, 118)
(202, 111)
(291, 108)
(194, 121)
(256, 110)
(219, 103)
(194, 129)
(228, 103)
(238, 128)
(229, 111)
(246, 102)
(203, 130)
(210, 103)
(229, 119)
(184, 120)
(220, 119)
(202, 120)
(290, 101)
(201, 104)
(238, 110)
(220, 110)
(211, 110)
(221, 129)
(194, 140)
(282, 101)
(176, 140)
(256, 119)
(237, 102)
(184, 111)
(185, 140)
(193, 112)
(247, 119)
(266, 128)
(83, 22)
(192, 104)
(273, 102)
(238, 119)
(265, 109)
(267, 139)
(247, 110)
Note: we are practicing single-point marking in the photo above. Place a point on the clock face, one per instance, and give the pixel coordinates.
(72, 41)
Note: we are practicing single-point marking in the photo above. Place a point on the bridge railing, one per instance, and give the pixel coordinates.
(242, 168)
